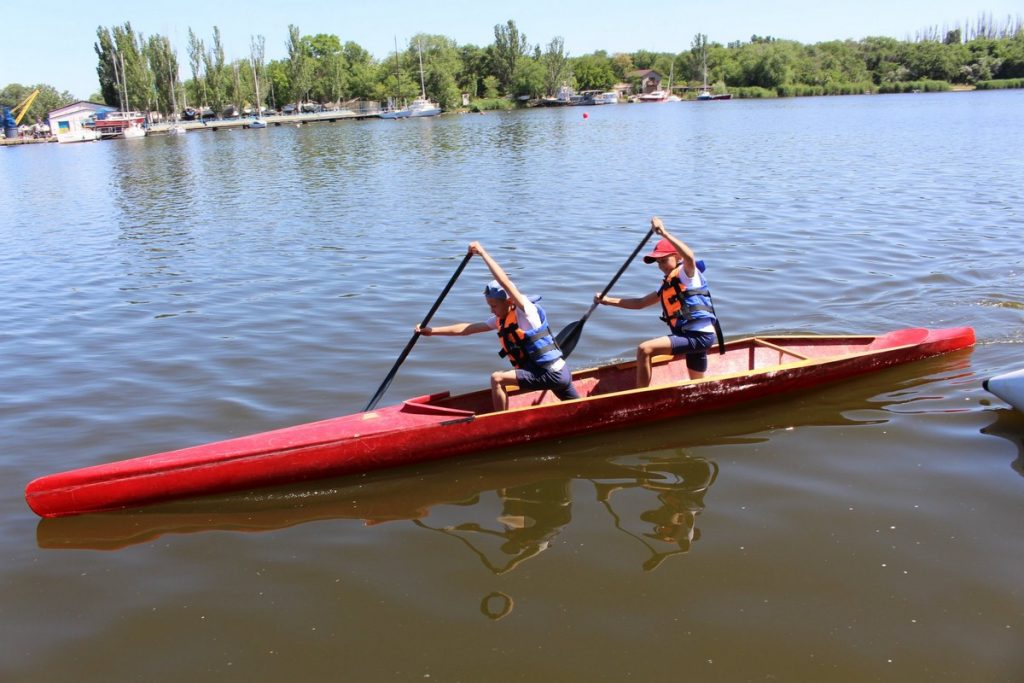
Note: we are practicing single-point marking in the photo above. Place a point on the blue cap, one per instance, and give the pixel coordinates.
(495, 291)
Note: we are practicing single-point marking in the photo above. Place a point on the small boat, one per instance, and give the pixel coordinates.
(705, 94)
(422, 106)
(440, 425)
(1008, 386)
(120, 124)
(610, 97)
(653, 96)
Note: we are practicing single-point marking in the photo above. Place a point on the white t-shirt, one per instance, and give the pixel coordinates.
(531, 316)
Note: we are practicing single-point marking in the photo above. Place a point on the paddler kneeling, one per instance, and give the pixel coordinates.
(525, 338)
(686, 307)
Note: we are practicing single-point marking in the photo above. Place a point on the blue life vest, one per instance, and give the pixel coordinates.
(528, 349)
(681, 306)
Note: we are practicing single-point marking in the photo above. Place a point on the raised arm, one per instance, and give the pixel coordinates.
(500, 275)
(685, 252)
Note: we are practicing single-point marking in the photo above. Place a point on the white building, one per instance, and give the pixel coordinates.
(73, 123)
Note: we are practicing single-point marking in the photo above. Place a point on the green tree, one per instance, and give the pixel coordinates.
(300, 66)
(441, 68)
(329, 78)
(196, 50)
(622, 64)
(215, 74)
(163, 63)
(123, 68)
(46, 101)
(510, 49)
(593, 72)
(474, 67)
(529, 81)
(363, 71)
(556, 65)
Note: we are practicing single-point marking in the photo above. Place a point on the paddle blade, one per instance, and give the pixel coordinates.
(569, 337)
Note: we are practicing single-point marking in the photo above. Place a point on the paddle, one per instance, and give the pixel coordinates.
(568, 337)
(416, 335)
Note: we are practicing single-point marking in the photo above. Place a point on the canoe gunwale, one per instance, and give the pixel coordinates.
(426, 428)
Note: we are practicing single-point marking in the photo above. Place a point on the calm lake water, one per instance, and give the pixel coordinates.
(166, 292)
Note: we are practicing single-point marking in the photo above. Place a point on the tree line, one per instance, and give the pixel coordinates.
(321, 68)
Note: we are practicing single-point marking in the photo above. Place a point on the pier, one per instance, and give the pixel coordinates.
(271, 120)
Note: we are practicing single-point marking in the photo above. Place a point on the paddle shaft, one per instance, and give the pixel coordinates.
(416, 335)
(622, 270)
(568, 337)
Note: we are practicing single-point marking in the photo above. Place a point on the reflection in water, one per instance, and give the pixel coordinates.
(531, 495)
(677, 486)
(531, 516)
(1009, 424)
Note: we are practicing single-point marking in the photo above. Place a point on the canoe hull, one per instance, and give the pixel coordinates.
(438, 426)
(1008, 386)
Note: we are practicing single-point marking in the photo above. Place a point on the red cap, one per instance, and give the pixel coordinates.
(663, 248)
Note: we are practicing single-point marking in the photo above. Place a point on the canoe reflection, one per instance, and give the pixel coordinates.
(505, 511)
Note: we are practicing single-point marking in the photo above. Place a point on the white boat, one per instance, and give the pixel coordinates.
(705, 90)
(257, 122)
(1008, 386)
(653, 96)
(133, 131)
(393, 111)
(175, 128)
(610, 97)
(422, 106)
(120, 124)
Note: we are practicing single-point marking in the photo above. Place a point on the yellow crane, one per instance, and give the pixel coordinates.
(22, 107)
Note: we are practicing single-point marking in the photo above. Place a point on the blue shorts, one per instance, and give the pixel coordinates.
(559, 382)
(695, 345)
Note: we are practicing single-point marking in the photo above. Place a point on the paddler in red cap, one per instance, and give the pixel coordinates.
(525, 338)
(686, 307)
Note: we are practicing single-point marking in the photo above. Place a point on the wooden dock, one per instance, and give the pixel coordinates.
(273, 120)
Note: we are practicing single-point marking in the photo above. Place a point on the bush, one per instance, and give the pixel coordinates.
(753, 92)
(1001, 84)
(493, 104)
(914, 86)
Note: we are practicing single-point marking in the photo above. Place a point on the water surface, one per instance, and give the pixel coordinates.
(172, 291)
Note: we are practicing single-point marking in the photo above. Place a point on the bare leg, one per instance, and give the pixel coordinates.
(499, 395)
(645, 353)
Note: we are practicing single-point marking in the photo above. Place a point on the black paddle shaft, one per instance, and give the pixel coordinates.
(416, 335)
(568, 337)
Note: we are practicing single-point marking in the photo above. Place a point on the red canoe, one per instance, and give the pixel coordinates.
(442, 426)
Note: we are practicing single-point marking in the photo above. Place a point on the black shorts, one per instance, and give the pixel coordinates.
(559, 382)
(695, 345)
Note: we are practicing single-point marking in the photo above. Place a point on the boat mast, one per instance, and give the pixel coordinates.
(704, 57)
(124, 83)
(256, 83)
(174, 98)
(398, 77)
(423, 88)
(117, 82)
